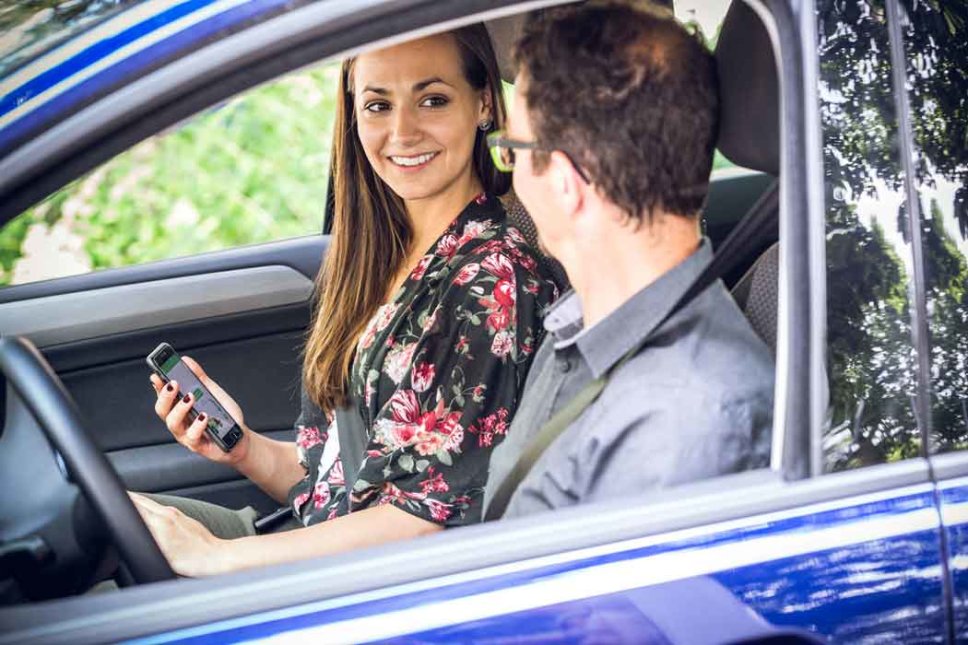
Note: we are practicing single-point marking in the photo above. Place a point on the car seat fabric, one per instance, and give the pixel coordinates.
(519, 218)
(757, 292)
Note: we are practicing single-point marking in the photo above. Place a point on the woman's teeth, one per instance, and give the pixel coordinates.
(413, 161)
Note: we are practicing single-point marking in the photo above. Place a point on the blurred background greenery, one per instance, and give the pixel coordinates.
(250, 171)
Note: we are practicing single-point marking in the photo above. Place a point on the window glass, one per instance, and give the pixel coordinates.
(935, 36)
(252, 170)
(871, 357)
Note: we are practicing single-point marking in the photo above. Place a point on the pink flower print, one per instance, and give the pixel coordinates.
(467, 273)
(434, 483)
(439, 511)
(421, 268)
(481, 199)
(447, 246)
(498, 264)
(505, 293)
(422, 376)
(307, 437)
(333, 513)
(299, 500)
(514, 235)
(431, 320)
(392, 494)
(397, 362)
(405, 406)
(385, 314)
(429, 432)
(462, 344)
(321, 494)
(336, 477)
(499, 319)
(525, 260)
(502, 344)
(473, 230)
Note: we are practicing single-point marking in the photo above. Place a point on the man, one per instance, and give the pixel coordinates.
(611, 138)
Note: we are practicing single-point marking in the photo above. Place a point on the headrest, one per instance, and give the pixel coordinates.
(749, 133)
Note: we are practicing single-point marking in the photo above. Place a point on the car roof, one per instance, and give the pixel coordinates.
(56, 60)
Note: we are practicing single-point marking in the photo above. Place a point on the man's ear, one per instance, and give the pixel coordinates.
(569, 188)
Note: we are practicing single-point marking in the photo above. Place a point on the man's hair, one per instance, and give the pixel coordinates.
(630, 95)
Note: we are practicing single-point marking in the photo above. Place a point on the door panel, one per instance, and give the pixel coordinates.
(242, 314)
(860, 568)
(951, 470)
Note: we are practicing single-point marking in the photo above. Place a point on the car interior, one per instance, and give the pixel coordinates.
(94, 331)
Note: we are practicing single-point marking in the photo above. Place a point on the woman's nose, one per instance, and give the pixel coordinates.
(406, 127)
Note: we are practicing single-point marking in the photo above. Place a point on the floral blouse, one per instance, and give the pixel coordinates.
(436, 376)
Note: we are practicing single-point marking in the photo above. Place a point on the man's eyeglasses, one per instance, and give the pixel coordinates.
(502, 152)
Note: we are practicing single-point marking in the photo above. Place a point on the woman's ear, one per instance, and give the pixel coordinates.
(487, 104)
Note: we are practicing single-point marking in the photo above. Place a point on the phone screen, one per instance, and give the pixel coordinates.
(219, 421)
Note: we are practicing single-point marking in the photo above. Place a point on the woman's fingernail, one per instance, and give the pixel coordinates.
(169, 388)
(188, 397)
(201, 417)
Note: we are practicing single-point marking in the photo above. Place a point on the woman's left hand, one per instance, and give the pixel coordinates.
(190, 548)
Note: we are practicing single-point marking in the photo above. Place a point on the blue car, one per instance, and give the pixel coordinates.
(845, 126)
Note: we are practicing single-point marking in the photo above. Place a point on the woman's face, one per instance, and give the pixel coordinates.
(417, 118)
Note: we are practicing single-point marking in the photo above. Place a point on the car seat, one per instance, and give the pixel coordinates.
(749, 136)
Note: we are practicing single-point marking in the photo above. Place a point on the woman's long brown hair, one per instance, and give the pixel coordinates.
(371, 231)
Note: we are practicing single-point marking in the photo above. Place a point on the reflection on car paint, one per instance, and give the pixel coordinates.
(791, 568)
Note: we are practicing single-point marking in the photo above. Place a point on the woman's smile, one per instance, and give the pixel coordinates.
(411, 163)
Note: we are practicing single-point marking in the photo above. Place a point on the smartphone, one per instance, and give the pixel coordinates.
(168, 365)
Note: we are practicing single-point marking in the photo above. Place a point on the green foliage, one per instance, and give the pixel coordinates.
(253, 170)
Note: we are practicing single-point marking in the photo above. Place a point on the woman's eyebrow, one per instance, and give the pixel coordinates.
(422, 85)
(417, 87)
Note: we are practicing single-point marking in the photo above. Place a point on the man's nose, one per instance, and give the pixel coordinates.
(406, 126)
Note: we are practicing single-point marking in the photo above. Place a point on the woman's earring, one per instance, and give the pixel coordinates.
(484, 125)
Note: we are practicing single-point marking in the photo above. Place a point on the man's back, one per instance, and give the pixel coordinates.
(696, 402)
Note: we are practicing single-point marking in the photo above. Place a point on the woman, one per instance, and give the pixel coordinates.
(429, 312)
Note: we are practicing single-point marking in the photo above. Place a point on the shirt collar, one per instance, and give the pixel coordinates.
(605, 343)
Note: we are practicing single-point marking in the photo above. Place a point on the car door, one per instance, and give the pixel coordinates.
(930, 38)
(850, 555)
(151, 220)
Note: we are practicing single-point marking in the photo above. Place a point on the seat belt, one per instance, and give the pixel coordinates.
(734, 249)
(352, 442)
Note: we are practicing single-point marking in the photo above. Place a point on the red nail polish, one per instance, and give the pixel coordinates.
(188, 397)
(201, 417)
(169, 387)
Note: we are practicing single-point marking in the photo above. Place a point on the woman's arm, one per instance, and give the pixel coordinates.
(272, 465)
(193, 551)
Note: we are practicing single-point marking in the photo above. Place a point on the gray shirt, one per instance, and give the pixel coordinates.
(696, 402)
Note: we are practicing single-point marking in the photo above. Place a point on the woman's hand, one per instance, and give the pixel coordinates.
(192, 435)
(189, 547)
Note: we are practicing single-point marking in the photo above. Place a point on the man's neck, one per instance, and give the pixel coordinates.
(627, 261)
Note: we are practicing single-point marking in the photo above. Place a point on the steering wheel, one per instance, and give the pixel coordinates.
(57, 414)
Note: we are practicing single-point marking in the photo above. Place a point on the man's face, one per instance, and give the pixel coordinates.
(534, 190)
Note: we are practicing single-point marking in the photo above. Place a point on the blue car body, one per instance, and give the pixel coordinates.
(858, 556)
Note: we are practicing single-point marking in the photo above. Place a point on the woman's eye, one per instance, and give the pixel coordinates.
(434, 101)
(376, 106)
